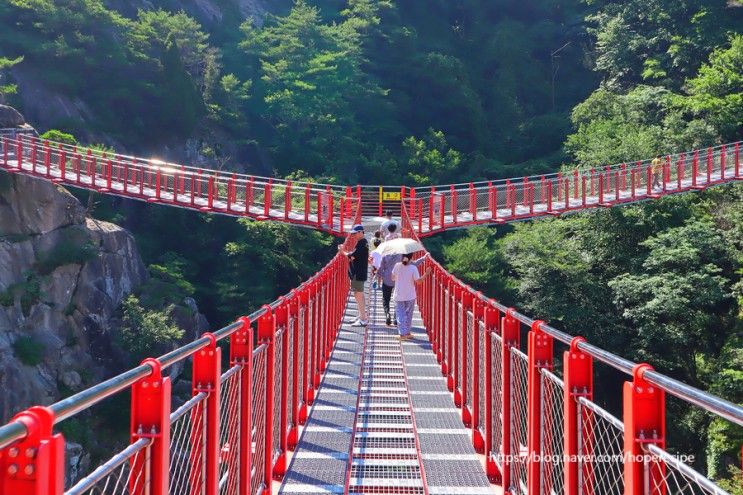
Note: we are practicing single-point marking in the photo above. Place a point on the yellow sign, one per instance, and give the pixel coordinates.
(391, 196)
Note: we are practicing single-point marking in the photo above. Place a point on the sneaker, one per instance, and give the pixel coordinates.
(395, 322)
(406, 337)
(389, 321)
(356, 323)
(363, 323)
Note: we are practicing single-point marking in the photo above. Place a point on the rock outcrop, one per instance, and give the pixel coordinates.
(63, 277)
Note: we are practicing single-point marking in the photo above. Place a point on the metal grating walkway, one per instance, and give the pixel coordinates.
(383, 421)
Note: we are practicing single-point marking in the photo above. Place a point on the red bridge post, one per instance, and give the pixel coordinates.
(205, 377)
(539, 357)
(510, 337)
(150, 418)
(35, 464)
(578, 380)
(241, 352)
(644, 415)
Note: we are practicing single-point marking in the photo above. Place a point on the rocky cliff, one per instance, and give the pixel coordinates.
(63, 277)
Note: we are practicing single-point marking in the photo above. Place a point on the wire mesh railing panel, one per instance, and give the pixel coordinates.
(188, 446)
(496, 397)
(310, 340)
(519, 410)
(600, 450)
(669, 474)
(229, 430)
(300, 361)
(278, 352)
(447, 330)
(290, 361)
(469, 366)
(461, 333)
(259, 419)
(116, 477)
(482, 331)
(552, 433)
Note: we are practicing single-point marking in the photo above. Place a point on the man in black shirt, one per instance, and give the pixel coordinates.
(357, 270)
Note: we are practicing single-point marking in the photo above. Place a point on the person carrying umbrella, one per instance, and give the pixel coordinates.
(393, 253)
(406, 278)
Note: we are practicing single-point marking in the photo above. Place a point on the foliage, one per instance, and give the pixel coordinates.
(430, 160)
(28, 350)
(167, 284)
(146, 332)
(266, 260)
(716, 93)
(59, 137)
(477, 259)
(5, 87)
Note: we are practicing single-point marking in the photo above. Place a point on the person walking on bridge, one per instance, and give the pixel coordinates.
(392, 232)
(357, 271)
(385, 227)
(656, 168)
(384, 275)
(406, 277)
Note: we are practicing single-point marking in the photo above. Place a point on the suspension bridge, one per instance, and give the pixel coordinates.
(483, 400)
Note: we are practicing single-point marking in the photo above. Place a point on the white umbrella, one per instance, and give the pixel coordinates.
(400, 245)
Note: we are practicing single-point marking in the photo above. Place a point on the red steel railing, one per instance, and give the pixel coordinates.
(323, 207)
(332, 208)
(231, 437)
(534, 416)
(436, 208)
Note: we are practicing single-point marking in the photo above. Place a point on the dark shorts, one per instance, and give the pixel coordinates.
(357, 285)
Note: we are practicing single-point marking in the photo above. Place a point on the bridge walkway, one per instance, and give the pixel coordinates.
(383, 420)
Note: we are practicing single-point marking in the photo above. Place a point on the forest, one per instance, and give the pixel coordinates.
(429, 92)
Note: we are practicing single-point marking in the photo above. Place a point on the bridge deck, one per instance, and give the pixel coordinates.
(383, 420)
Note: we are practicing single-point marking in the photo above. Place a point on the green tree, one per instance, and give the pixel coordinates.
(430, 160)
(146, 333)
(311, 78)
(716, 93)
(680, 295)
(5, 87)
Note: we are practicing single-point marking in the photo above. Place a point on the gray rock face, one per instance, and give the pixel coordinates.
(62, 277)
(10, 117)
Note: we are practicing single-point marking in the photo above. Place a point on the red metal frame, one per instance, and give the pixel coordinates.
(35, 464)
(241, 352)
(578, 379)
(644, 416)
(150, 418)
(205, 377)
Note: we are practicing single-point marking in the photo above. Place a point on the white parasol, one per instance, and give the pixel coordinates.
(400, 245)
